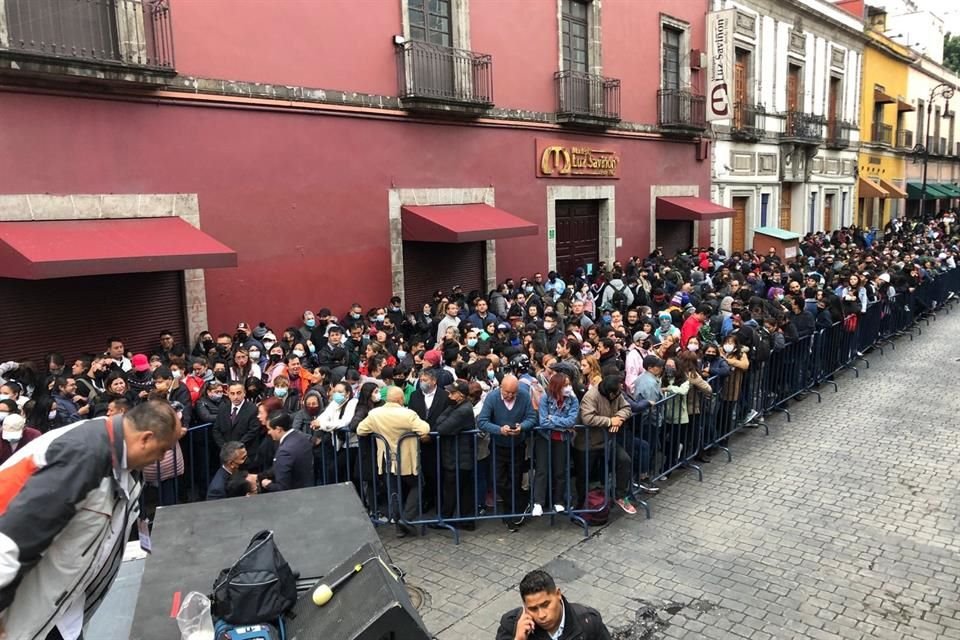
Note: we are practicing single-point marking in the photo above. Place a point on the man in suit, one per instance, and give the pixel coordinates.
(237, 420)
(233, 455)
(392, 421)
(429, 401)
(293, 464)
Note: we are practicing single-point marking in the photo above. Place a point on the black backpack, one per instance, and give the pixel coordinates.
(259, 587)
(619, 298)
(763, 345)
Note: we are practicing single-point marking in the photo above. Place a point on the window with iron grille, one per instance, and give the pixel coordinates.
(430, 22)
(575, 34)
(671, 58)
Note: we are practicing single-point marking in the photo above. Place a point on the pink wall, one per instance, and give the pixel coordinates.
(333, 45)
(524, 58)
(303, 199)
(329, 44)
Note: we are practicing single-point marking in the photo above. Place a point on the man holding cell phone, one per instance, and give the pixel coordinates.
(547, 615)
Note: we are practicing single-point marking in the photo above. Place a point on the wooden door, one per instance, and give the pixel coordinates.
(793, 97)
(786, 207)
(833, 108)
(578, 234)
(828, 212)
(740, 90)
(739, 241)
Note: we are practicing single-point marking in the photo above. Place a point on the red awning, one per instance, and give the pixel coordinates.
(462, 223)
(690, 208)
(66, 248)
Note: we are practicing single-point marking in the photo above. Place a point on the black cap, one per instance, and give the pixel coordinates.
(459, 385)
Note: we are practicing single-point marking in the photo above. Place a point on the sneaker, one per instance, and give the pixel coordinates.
(537, 511)
(559, 508)
(624, 504)
(648, 488)
(750, 416)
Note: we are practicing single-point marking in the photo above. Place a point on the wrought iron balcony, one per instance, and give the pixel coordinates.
(881, 133)
(749, 122)
(904, 139)
(122, 40)
(436, 78)
(838, 134)
(586, 98)
(802, 128)
(681, 109)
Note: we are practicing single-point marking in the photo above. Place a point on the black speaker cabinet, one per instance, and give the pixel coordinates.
(372, 605)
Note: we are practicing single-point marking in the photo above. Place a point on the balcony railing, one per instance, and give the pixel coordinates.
(904, 139)
(749, 121)
(585, 97)
(881, 133)
(838, 134)
(681, 109)
(803, 128)
(129, 33)
(433, 76)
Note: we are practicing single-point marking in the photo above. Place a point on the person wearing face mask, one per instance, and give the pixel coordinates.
(204, 345)
(665, 328)
(552, 331)
(166, 381)
(329, 433)
(233, 458)
(738, 362)
(16, 433)
(559, 409)
(287, 395)
(309, 325)
(208, 404)
(676, 418)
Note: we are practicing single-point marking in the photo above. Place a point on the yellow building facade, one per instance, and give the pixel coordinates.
(886, 137)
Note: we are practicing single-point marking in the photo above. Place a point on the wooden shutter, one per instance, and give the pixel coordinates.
(73, 316)
(786, 206)
(739, 225)
(428, 266)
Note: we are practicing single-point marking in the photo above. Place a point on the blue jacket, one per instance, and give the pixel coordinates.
(218, 486)
(494, 414)
(480, 323)
(553, 417)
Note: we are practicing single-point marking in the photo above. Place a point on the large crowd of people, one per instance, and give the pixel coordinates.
(520, 366)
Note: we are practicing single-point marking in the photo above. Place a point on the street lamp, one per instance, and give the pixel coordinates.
(946, 90)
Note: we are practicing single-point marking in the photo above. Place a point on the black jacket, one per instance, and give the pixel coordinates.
(246, 428)
(418, 404)
(293, 463)
(582, 623)
(456, 419)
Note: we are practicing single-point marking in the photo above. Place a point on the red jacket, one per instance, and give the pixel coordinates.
(691, 327)
(6, 450)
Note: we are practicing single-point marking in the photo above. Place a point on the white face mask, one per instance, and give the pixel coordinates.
(52, 415)
(13, 437)
(3, 414)
(728, 348)
(693, 346)
(177, 374)
(4, 396)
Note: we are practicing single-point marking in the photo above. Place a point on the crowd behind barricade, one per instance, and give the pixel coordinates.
(546, 395)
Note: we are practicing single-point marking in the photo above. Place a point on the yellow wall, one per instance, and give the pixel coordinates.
(882, 68)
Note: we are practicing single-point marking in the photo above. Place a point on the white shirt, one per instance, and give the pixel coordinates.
(563, 620)
(428, 398)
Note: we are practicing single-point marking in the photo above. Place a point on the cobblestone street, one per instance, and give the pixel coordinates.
(839, 524)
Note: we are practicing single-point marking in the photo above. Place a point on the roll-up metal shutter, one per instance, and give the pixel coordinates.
(73, 316)
(428, 266)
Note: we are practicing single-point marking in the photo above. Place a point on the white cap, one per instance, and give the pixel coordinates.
(13, 426)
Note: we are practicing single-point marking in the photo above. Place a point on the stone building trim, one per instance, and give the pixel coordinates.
(666, 190)
(399, 198)
(91, 206)
(607, 195)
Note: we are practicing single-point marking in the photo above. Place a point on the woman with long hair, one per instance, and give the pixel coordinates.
(590, 370)
(331, 425)
(243, 367)
(362, 470)
(559, 408)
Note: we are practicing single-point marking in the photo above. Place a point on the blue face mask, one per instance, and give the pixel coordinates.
(311, 323)
(401, 354)
(607, 317)
(339, 397)
(491, 374)
(280, 392)
(312, 348)
(380, 318)
(471, 342)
